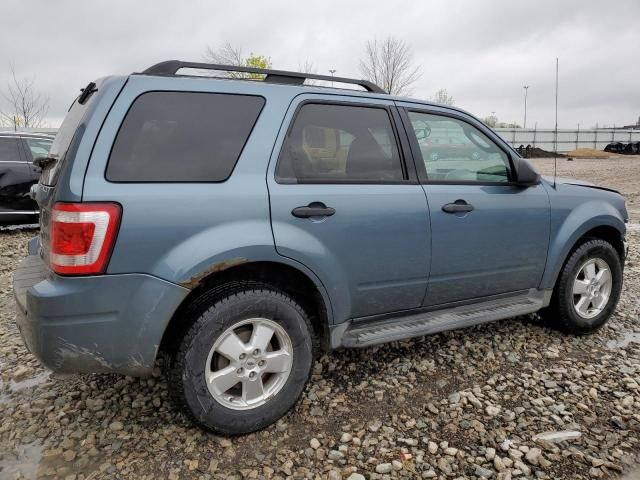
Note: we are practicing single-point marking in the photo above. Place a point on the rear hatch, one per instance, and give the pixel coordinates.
(63, 170)
(61, 152)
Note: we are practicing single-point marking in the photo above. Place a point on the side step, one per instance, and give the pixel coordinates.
(425, 323)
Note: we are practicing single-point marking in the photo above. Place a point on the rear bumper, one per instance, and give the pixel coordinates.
(107, 323)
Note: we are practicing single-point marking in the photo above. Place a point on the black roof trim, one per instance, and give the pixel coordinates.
(171, 67)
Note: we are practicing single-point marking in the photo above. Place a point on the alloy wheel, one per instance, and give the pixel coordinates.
(592, 288)
(249, 363)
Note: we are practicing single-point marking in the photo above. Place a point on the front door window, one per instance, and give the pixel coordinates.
(455, 151)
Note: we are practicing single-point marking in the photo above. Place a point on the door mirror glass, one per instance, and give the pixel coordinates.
(423, 132)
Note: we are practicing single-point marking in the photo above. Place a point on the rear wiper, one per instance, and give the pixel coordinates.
(87, 92)
(44, 162)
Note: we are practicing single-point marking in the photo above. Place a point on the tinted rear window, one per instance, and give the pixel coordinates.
(182, 137)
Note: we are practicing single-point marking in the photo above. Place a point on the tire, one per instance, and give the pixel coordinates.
(562, 312)
(252, 309)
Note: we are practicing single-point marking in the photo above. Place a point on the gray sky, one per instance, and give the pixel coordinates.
(482, 52)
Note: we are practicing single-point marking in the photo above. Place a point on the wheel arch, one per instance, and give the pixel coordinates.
(219, 282)
(610, 228)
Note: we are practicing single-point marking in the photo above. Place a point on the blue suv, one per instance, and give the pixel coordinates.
(242, 226)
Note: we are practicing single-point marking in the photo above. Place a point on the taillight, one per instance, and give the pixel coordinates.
(81, 237)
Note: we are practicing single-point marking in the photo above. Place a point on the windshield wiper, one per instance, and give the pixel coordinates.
(44, 162)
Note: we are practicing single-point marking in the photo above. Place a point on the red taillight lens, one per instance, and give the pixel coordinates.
(82, 236)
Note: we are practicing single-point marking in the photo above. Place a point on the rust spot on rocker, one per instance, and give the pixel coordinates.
(194, 281)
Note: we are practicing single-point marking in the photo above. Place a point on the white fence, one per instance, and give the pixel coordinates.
(568, 140)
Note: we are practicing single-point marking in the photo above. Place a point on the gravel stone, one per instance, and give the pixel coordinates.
(116, 426)
(492, 410)
(483, 472)
(356, 476)
(533, 455)
(384, 468)
(335, 455)
(490, 453)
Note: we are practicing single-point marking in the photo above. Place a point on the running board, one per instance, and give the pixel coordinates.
(426, 323)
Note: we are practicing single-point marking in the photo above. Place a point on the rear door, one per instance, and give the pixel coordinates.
(345, 203)
(15, 180)
(489, 235)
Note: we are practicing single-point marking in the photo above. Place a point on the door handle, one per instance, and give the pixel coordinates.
(459, 206)
(314, 209)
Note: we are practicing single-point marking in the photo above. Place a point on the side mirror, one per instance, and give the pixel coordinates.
(422, 133)
(526, 174)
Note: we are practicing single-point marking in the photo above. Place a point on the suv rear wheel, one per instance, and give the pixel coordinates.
(587, 290)
(244, 362)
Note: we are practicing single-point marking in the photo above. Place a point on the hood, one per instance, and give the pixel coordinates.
(579, 183)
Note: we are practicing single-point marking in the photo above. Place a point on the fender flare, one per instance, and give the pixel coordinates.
(586, 217)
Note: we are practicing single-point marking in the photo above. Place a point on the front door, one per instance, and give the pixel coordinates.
(344, 203)
(489, 236)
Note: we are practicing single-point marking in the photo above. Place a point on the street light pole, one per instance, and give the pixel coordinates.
(332, 71)
(526, 91)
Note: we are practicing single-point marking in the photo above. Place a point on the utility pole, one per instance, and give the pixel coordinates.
(526, 91)
(332, 71)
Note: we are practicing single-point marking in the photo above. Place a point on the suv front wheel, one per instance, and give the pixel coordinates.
(587, 290)
(244, 362)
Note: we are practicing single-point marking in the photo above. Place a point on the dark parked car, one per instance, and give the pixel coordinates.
(17, 174)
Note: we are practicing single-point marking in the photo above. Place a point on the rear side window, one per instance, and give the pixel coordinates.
(39, 147)
(182, 137)
(330, 143)
(9, 150)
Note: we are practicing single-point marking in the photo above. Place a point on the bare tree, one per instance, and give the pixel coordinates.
(230, 55)
(388, 63)
(27, 107)
(309, 68)
(227, 54)
(442, 97)
(491, 120)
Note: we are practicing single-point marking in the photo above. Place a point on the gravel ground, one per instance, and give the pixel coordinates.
(463, 404)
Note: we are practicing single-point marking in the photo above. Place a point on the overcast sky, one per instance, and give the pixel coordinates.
(482, 52)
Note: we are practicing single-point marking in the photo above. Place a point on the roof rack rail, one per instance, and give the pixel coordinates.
(171, 67)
